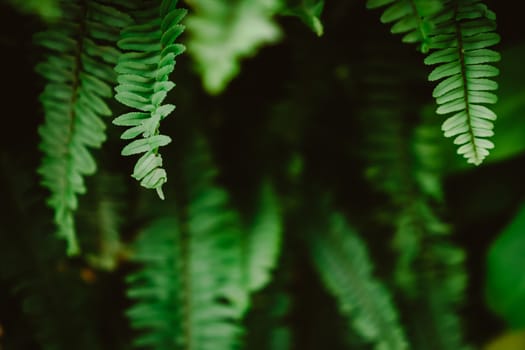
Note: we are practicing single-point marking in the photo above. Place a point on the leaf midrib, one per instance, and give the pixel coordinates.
(461, 54)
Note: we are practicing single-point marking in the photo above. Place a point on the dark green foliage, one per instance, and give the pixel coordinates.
(405, 153)
(344, 266)
(505, 292)
(191, 293)
(52, 293)
(101, 216)
(200, 266)
(47, 9)
(246, 252)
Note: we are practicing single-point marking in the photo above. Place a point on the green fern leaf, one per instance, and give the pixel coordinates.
(192, 291)
(156, 287)
(343, 264)
(80, 75)
(144, 69)
(410, 18)
(222, 33)
(463, 32)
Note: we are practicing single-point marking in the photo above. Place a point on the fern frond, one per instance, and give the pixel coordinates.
(209, 213)
(406, 164)
(79, 77)
(143, 76)
(223, 33)
(183, 294)
(417, 222)
(441, 287)
(410, 18)
(429, 271)
(343, 264)
(192, 291)
(463, 32)
(157, 289)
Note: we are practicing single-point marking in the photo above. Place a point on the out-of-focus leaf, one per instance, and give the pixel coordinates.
(47, 9)
(505, 273)
(508, 341)
(221, 34)
(510, 126)
(309, 11)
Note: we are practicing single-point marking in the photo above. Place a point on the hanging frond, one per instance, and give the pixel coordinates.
(463, 33)
(343, 264)
(79, 74)
(143, 77)
(406, 163)
(410, 18)
(429, 270)
(191, 292)
(385, 113)
(221, 34)
(157, 289)
(213, 223)
(417, 190)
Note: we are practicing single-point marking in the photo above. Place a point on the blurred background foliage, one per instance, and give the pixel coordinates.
(310, 120)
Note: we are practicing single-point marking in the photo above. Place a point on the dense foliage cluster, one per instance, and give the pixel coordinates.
(314, 199)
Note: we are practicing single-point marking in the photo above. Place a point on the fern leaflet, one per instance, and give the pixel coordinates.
(144, 83)
(463, 32)
(79, 74)
(410, 17)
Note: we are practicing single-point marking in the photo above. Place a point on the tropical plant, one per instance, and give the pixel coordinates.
(313, 199)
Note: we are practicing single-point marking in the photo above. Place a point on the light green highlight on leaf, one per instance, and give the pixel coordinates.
(222, 34)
